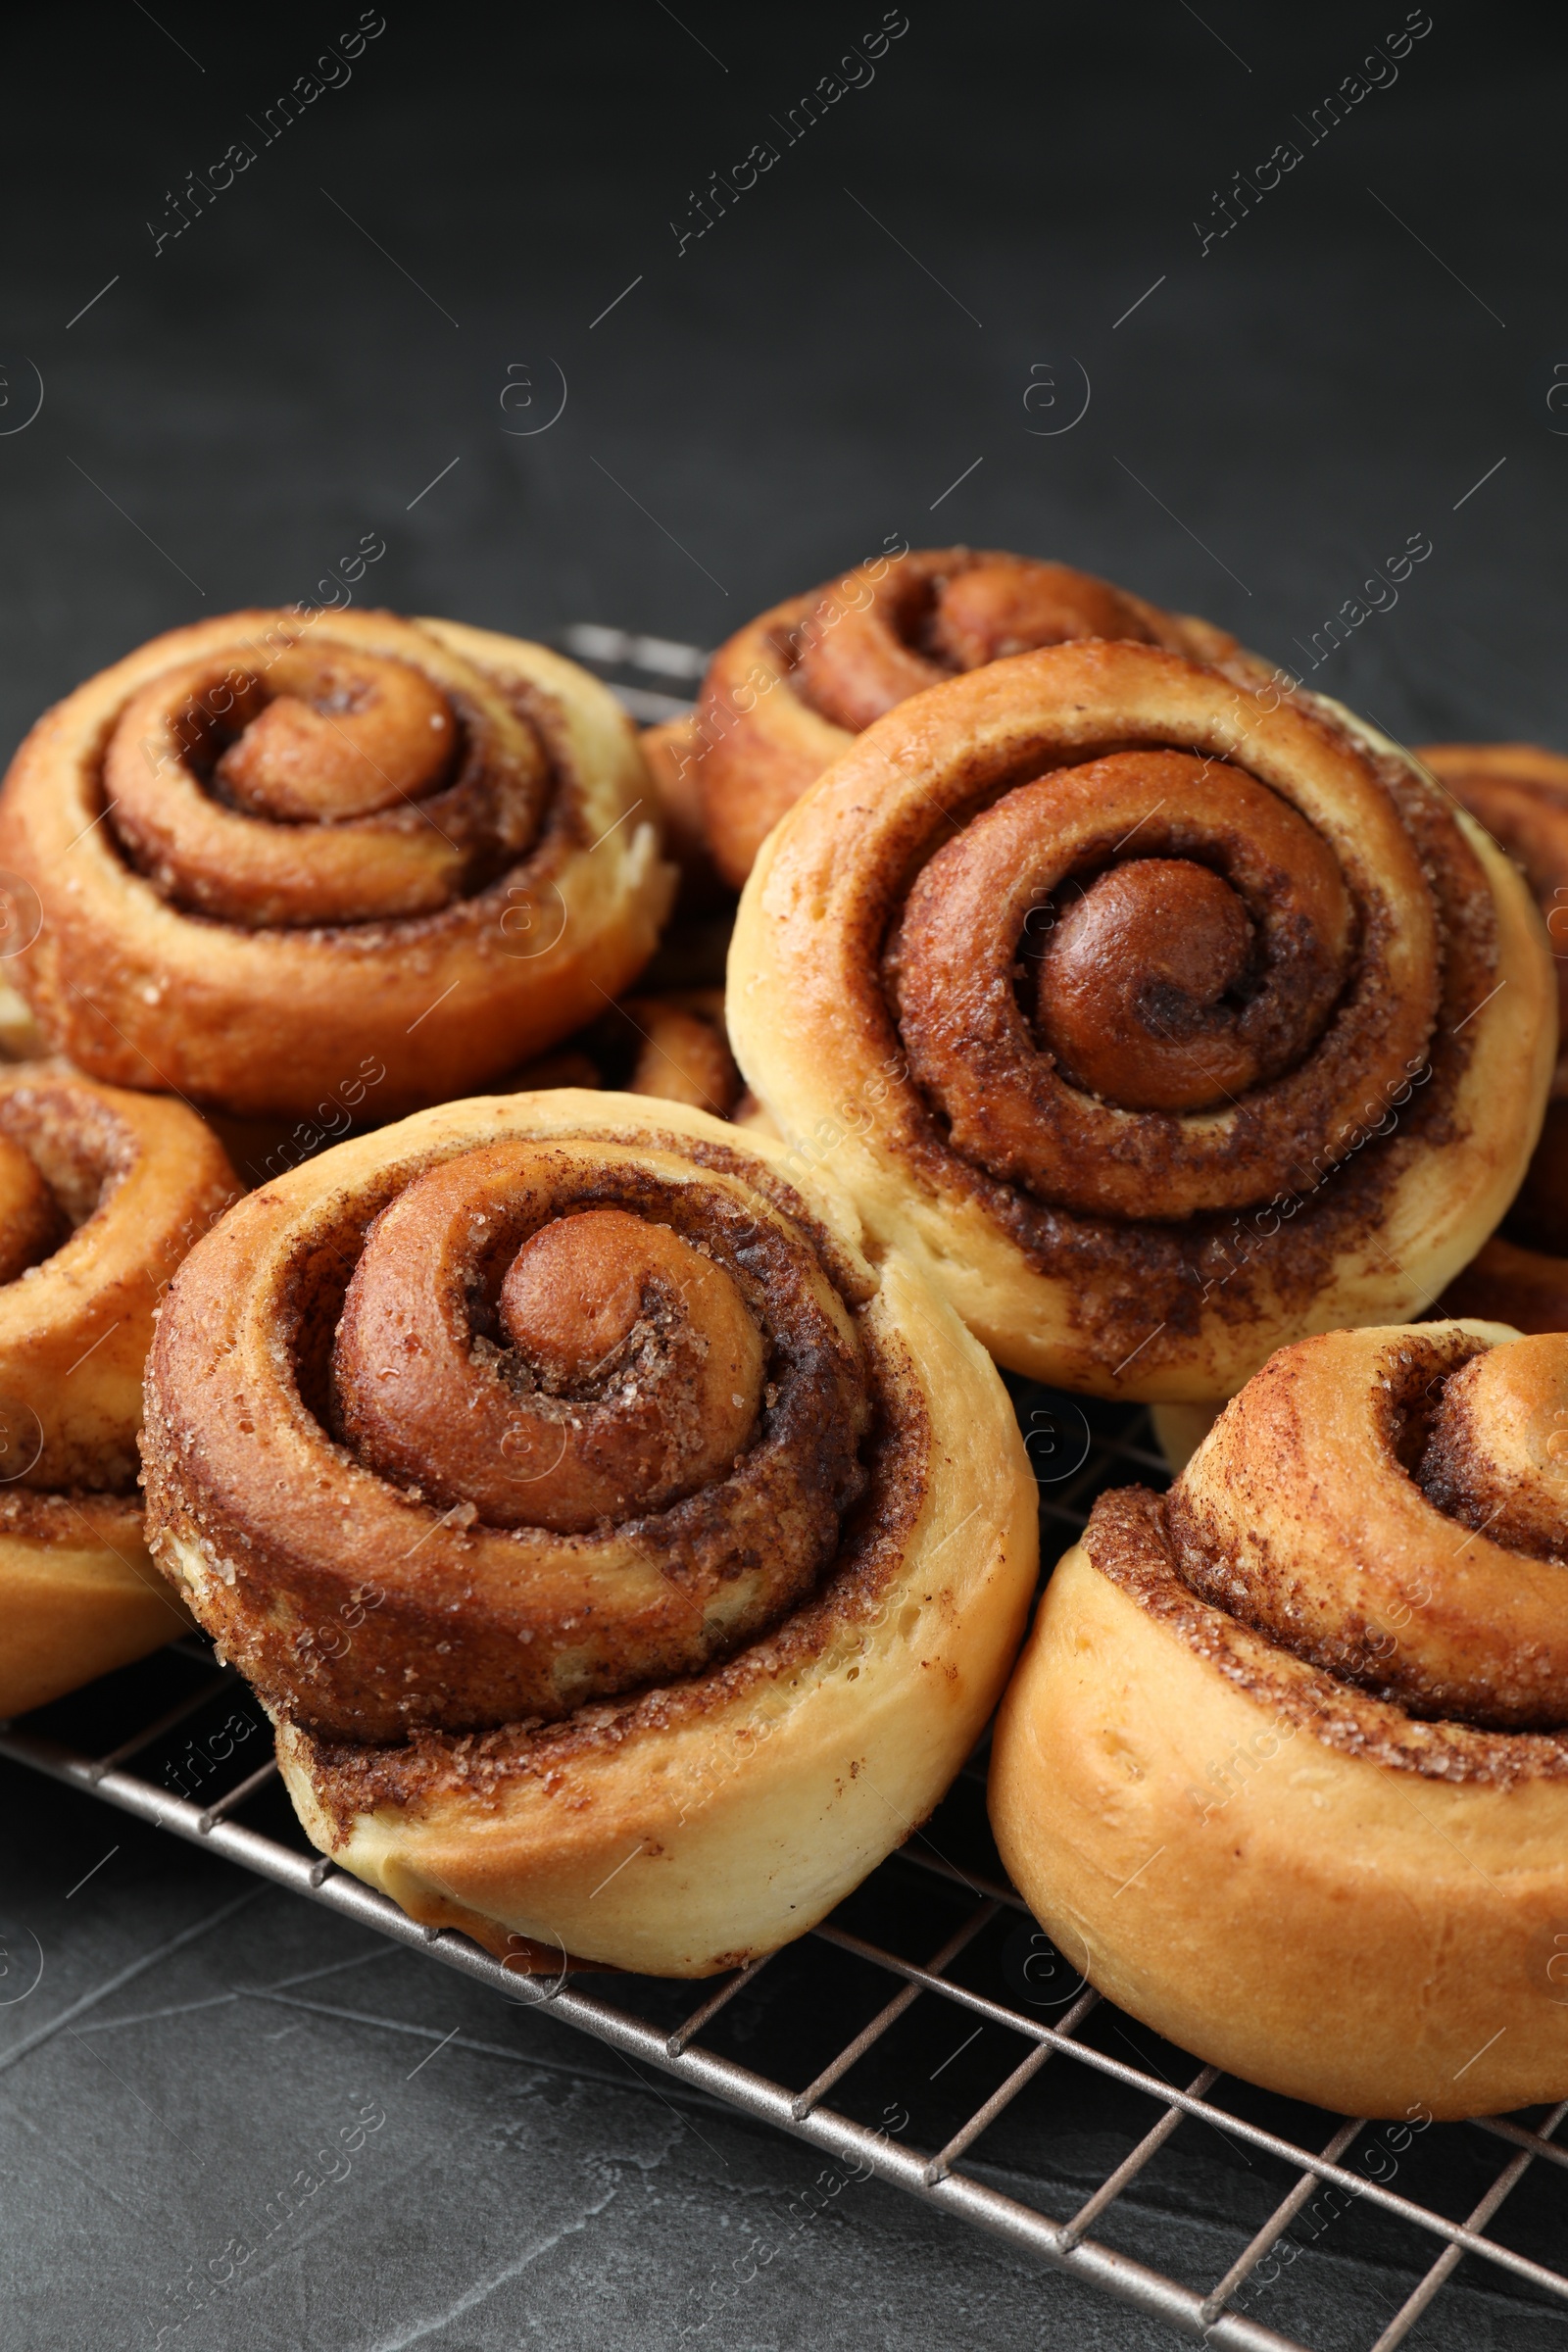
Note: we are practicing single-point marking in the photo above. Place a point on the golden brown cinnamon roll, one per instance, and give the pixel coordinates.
(683, 1050)
(1284, 1764)
(669, 750)
(1520, 794)
(578, 1496)
(1160, 1020)
(674, 1044)
(267, 846)
(101, 1194)
(787, 694)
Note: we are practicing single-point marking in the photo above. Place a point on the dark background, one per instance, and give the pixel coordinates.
(227, 420)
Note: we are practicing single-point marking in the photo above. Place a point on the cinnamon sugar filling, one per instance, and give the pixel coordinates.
(1130, 1543)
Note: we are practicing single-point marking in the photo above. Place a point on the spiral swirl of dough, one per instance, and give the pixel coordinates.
(101, 1194)
(328, 785)
(1137, 1002)
(588, 1411)
(1394, 1508)
(624, 1556)
(259, 849)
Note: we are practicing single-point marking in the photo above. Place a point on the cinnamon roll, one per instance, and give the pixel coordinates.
(1284, 1767)
(679, 1049)
(669, 750)
(1520, 794)
(1159, 1020)
(627, 1561)
(101, 1194)
(787, 694)
(673, 1044)
(270, 845)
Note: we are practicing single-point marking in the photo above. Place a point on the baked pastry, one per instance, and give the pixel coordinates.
(267, 846)
(626, 1561)
(1157, 1019)
(673, 1044)
(669, 750)
(1520, 794)
(1284, 1767)
(787, 694)
(101, 1194)
(681, 1049)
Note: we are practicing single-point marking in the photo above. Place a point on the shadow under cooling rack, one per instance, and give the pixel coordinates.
(928, 2033)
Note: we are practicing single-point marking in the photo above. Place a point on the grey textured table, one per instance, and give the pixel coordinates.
(973, 299)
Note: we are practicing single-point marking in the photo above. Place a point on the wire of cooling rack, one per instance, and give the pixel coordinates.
(1079, 1447)
(1115, 1445)
(628, 660)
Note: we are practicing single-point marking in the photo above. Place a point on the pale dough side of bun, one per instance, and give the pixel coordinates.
(1222, 1873)
(698, 1827)
(79, 1595)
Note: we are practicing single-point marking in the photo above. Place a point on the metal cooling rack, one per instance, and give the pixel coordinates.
(933, 1940)
(628, 660)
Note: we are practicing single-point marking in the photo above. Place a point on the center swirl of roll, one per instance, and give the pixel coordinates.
(1495, 1455)
(1392, 1505)
(322, 783)
(1143, 988)
(1144, 978)
(942, 610)
(611, 1369)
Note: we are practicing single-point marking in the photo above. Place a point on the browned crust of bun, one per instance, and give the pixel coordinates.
(670, 753)
(1143, 1307)
(1520, 793)
(668, 1041)
(143, 994)
(684, 1054)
